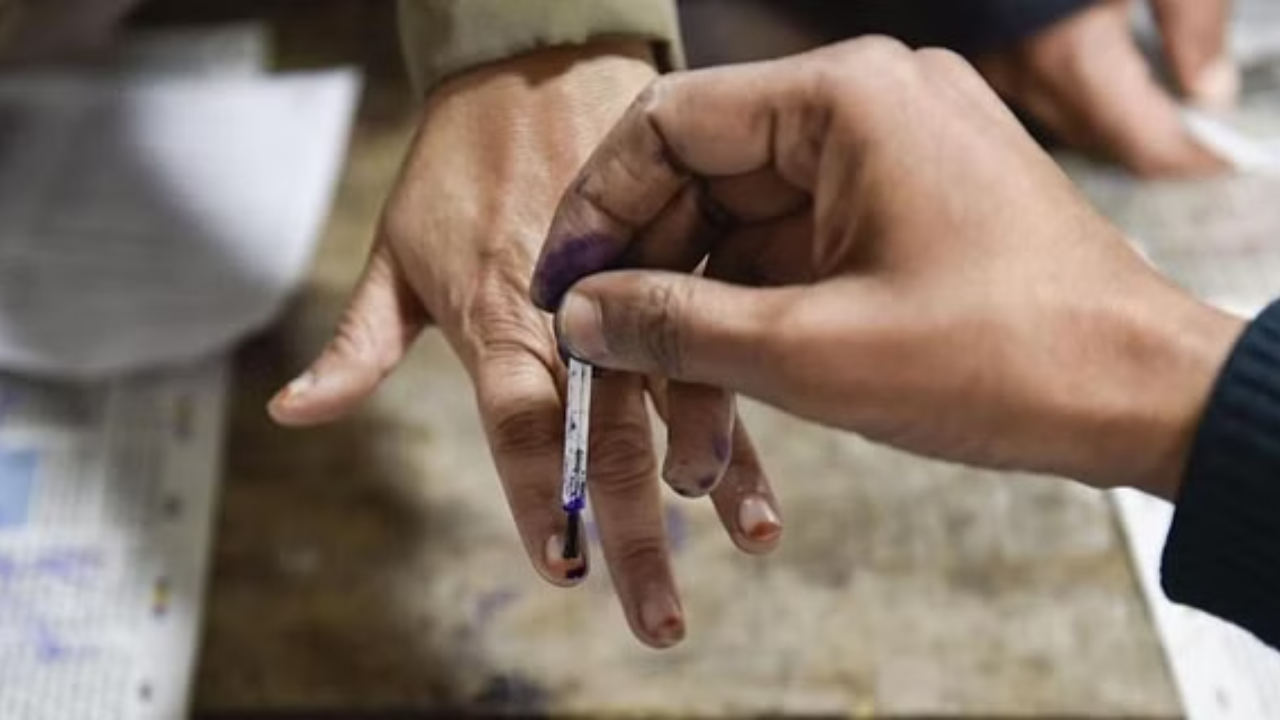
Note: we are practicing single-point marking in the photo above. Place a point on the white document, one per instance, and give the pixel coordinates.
(146, 220)
(107, 492)
(1221, 671)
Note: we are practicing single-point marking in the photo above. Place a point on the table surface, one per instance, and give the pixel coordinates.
(371, 564)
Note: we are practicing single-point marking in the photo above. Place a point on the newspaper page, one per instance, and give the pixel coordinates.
(107, 492)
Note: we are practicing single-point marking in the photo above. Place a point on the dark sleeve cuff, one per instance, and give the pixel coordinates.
(1223, 551)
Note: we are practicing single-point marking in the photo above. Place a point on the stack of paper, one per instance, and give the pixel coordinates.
(152, 212)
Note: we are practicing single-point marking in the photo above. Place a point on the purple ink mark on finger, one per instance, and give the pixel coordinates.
(708, 482)
(677, 527)
(721, 446)
(570, 262)
(576, 573)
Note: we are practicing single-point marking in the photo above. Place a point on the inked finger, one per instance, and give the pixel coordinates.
(524, 421)
(627, 506)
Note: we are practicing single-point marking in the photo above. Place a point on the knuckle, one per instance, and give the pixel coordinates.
(944, 61)
(658, 330)
(622, 460)
(504, 325)
(523, 430)
(637, 552)
(648, 104)
(354, 342)
(867, 63)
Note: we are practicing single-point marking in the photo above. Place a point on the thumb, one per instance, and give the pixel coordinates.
(380, 323)
(682, 327)
(1195, 35)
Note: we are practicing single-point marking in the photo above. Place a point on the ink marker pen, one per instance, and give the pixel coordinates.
(577, 433)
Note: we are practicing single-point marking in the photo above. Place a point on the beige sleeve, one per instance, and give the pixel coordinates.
(444, 37)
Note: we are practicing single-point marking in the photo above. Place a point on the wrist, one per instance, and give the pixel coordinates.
(582, 87)
(1171, 349)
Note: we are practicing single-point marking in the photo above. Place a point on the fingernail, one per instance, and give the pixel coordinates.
(1218, 85)
(661, 619)
(302, 385)
(579, 329)
(758, 520)
(574, 568)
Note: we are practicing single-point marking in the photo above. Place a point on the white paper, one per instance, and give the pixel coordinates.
(107, 492)
(1221, 671)
(242, 49)
(156, 219)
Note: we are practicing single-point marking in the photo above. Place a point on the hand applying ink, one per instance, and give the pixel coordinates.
(456, 247)
(896, 258)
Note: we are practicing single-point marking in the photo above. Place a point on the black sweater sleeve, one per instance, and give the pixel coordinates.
(968, 26)
(1223, 550)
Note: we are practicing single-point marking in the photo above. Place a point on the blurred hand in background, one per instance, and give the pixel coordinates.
(1086, 80)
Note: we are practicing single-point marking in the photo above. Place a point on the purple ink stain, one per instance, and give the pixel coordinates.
(568, 263)
(492, 603)
(70, 566)
(721, 446)
(677, 527)
(576, 573)
(708, 482)
(48, 646)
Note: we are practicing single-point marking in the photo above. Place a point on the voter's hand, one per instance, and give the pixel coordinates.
(1087, 82)
(456, 247)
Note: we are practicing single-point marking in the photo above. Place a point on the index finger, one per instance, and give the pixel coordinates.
(717, 122)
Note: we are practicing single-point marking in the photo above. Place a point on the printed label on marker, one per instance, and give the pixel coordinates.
(577, 434)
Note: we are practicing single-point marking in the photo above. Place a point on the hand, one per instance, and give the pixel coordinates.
(456, 245)
(924, 275)
(1086, 80)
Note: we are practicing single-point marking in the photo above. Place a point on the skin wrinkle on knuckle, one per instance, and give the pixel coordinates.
(621, 458)
(354, 340)
(634, 552)
(523, 430)
(657, 331)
